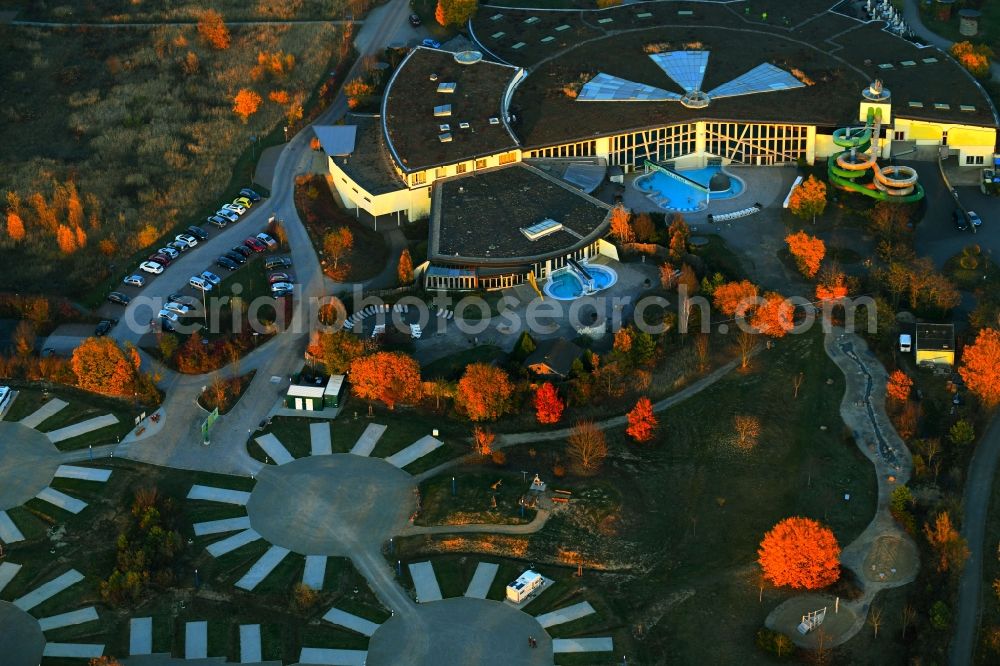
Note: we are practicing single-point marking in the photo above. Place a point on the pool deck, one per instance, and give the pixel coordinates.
(568, 269)
(695, 201)
(761, 184)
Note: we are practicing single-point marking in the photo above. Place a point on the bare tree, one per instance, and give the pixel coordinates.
(747, 429)
(747, 343)
(875, 619)
(797, 384)
(587, 447)
(909, 615)
(701, 349)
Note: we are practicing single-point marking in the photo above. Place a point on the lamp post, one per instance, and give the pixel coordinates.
(253, 156)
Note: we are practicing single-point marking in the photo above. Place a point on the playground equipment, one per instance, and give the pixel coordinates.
(811, 620)
(846, 168)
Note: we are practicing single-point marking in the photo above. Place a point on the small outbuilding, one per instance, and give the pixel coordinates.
(935, 344)
(553, 358)
(315, 397)
(525, 584)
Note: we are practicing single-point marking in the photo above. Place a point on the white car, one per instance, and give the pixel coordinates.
(187, 239)
(151, 267)
(170, 252)
(282, 286)
(178, 308)
(236, 208)
(169, 316)
(228, 214)
(134, 280)
(267, 240)
(200, 283)
(211, 277)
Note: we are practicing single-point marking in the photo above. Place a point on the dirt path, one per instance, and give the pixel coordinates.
(159, 24)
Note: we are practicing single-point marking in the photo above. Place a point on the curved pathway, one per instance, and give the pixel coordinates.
(911, 14)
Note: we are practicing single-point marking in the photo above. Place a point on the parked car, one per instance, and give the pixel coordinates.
(243, 201)
(220, 222)
(250, 194)
(431, 43)
(281, 293)
(243, 251)
(104, 327)
(198, 232)
(975, 219)
(187, 239)
(958, 218)
(415, 20)
(169, 316)
(228, 214)
(184, 299)
(151, 267)
(201, 283)
(134, 280)
(235, 257)
(179, 246)
(279, 277)
(282, 286)
(267, 240)
(170, 252)
(255, 245)
(211, 277)
(178, 308)
(277, 262)
(119, 298)
(236, 208)
(160, 258)
(227, 263)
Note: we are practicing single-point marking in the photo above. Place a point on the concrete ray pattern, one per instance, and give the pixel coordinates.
(350, 621)
(28, 461)
(196, 640)
(82, 428)
(223, 495)
(229, 544)
(315, 571)
(48, 590)
(61, 500)
(418, 449)
(262, 568)
(51, 408)
(74, 650)
(83, 473)
(425, 582)
(368, 439)
(7, 572)
(140, 636)
(250, 651)
(601, 644)
(319, 439)
(273, 447)
(332, 657)
(223, 525)
(80, 616)
(567, 614)
(481, 581)
(8, 530)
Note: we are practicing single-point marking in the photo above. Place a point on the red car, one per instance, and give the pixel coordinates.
(255, 245)
(279, 277)
(160, 258)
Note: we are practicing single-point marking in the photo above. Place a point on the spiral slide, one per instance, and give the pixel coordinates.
(846, 168)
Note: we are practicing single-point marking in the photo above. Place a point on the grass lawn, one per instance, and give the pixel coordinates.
(990, 611)
(82, 406)
(452, 366)
(989, 25)
(971, 270)
(234, 391)
(472, 502)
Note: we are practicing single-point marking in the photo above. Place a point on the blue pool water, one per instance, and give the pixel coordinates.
(673, 194)
(565, 285)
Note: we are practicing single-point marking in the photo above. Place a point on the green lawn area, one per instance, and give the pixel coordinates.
(989, 25)
(990, 611)
(452, 366)
(472, 502)
(82, 406)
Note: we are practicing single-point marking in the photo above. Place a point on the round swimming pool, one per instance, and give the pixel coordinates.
(566, 284)
(677, 195)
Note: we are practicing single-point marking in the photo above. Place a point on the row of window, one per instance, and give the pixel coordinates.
(420, 177)
(581, 149)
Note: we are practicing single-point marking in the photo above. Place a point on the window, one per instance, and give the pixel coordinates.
(973, 159)
(460, 168)
(481, 164)
(944, 138)
(440, 172)
(419, 178)
(899, 135)
(507, 158)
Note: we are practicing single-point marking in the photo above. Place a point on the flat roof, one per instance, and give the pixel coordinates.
(409, 118)
(336, 139)
(935, 337)
(369, 164)
(300, 391)
(477, 218)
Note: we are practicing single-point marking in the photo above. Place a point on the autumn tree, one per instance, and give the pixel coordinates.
(747, 429)
(104, 661)
(388, 377)
(15, 224)
(898, 386)
(24, 338)
(548, 405)
(587, 447)
(774, 315)
(974, 57)
(147, 236)
(405, 268)
(831, 285)
(482, 441)
(801, 553)
(484, 392)
(808, 199)
(623, 340)
(668, 276)
(962, 433)
(454, 12)
(642, 422)
(336, 244)
(66, 240)
(620, 227)
(101, 366)
(335, 351)
(678, 233)
(246, 103)
(735, 298)
(950, 549)
(643, 228)
(213, 29)
(980, 369)
(808, 252)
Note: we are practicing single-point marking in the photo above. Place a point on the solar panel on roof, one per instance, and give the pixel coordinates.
(442, 111)
(762, 78)
(686, 68)
(447, 87)
(607, 88)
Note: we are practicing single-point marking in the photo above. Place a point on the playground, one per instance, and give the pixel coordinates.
(834, 629)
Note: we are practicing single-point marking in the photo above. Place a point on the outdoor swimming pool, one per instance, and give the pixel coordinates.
(566, 285)
(673, 194)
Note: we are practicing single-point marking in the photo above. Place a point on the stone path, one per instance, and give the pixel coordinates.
(275, 449)
(82, 428)
(369, 438)
(50, 408)
(73, 650)
(315, 571)
(220, 526)
(48, 590)
(7, 572)
(604, 644)
(8, 530)
(481, 581)
(223, 495)
(352, 622)
(83, 473)
(196, 640)
(80, 616)
(418, 449)
(140, 635)
(262, 568)
(250, 651)
(61, 500)
(334, 657)
(567, 614)
(230, 544)
(319, 437)
(425, 582)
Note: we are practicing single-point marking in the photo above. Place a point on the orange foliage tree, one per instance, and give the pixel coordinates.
(548, 405)
(101, 366)
(484, 392)
(668, 276)
(974, 57)
(389, 377)
(808, 199)
(642, 422)
(774, 315)
(734, 298)
(213, 29)
(620, 227)
(15, 226)
(623, 340)
(643, 227)
(335, 351)
(404, 270)
(246, 103)
(949, 547)
(808, 252)
(899, 385)
(980, 368)
(801, 553)
(832, 286)
(482, 441)
(337, 243)
(66, 240)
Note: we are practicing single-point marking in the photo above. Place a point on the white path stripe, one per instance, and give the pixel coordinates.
(74, 650)
(50, 408)
(274, 448)
(250, 643)
(319, 436)
(220, 526)
(196, 640)
(68, 619)
(8, 530)
(315, 571)
(82, 428)
(262, 568)
(369, 438)
(481, 581)
(425, 582)
(61, 500)
(418, 449)
(7, 572)
(224, 495)
(140, 635)
(230, 544)
(352, 622)
(48, 590)
(582, 645)
(333, 657)
(567, 614)
(83, 473)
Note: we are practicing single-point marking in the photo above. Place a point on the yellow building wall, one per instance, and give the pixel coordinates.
(823, 146)
(936, 356)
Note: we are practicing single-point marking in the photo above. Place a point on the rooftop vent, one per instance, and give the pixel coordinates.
(942, 107)
(494, 121)
(444, 127)
(443, 111)
(433, 77)
(444, 138)
(916, 105)
(541, 229)
(966, 107)
(463, 125)
(468, 57)
(447, 87)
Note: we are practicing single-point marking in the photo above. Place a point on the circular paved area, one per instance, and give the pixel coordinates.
(329, 505)
(28, 460)
(460, 631)
(837, 627)
(21, 640)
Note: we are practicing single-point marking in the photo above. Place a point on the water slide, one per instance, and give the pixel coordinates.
(846, 168)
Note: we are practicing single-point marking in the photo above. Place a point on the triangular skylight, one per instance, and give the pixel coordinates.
(686, 68)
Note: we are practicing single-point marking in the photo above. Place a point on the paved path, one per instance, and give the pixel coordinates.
(319, 438)
(82, 428)
(69, 619)
(50, 408)
(8, 530)
(250, 651)
(7, 572)
(567, 614)
(158, 24)
(368, 439)
(418, 449)
(28, 461)
(73, 650)
(536, 524)
(48, 590)
(561, 645)
(83, 473)
(196, 640)
(230, 544)
(315, 571)
(425, 582)
(481, 581)
(262, 568)
(352, 622)
(336, 657)
(223, 495)
(220, 526)
(911, 14)
(61, 500)
(140, 635)
(275, 449)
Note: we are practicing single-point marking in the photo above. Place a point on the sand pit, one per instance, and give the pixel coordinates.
(891, 559)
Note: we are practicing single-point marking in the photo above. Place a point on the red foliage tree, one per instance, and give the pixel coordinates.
(898, 386)
(832, 286)
(213, 29)
(981, 367)
(548, 405)
(405, 268)
(808, 252)
(801, 553)
(101, 366)
(734, 298)
(15, 226)
(774, 316)
(484, 392)
(642, 422)
(246, 103)
(389, 377)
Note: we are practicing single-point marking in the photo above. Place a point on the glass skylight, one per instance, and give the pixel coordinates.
(686, 68)
(762, 78)
(607, 88)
